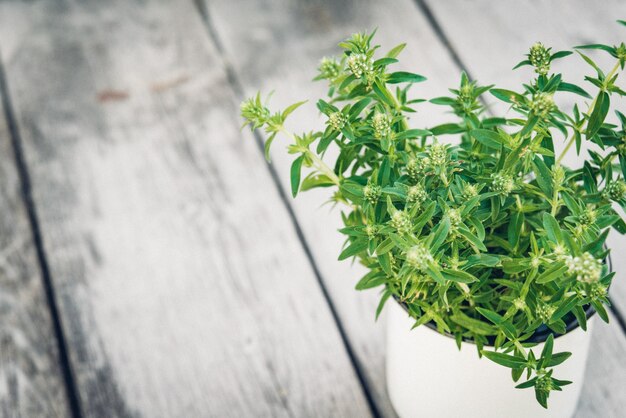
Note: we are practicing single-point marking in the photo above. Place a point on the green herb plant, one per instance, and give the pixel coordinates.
(489, 239)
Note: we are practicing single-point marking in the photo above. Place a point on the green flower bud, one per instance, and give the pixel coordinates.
(455, 218)
(382, 125)
(372, 193)
(416, 167)
(371, 231)
(337, 121)
(519, 304)
(542, 104)
(329, 68)
(401, 221)
(558, 175)
(544, 311)
(419, 257)
(359, 64)
(597, 291)
(544, 382)
(469, 191)
(614, 190)
(560, 252)
(586, 268)
(502, 183)
(254, 112)
(438, 155)
(539, 57)
(416, 194)
(588, 217)
(466, 93)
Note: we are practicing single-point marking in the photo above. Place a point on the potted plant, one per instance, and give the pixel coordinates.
(485, 241)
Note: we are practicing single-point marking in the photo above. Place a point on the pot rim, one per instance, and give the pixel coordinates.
(537, 337)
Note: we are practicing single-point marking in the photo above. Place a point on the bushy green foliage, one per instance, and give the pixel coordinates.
(491, 238)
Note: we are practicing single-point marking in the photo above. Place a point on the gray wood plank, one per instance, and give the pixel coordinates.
(31, 382)
(182, 286)
(510, 28)
(275, 45)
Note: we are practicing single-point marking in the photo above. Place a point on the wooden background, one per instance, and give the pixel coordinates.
(153, 265)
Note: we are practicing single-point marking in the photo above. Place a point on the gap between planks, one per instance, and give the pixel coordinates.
(29, 204)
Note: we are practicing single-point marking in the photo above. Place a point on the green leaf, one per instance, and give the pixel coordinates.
(395, 51)
(381, 304)
(404, 77)
(565, 306)
(508, 96)
(291, 108)
(435, 273)
(412, 133)
(557, 359)
(505, 360)
(546, 353)
(543, 176)
(488, 138)
(552, 273)
(295, 174)
(385, 246)
(552, 228)
(458, 276)
(356, 247)
(515, 228)
(482, 260)
(440, 234)
(572, 88)
(473, 325)
(370, 280)
(600, 110)
(383, 94)
(447, 129)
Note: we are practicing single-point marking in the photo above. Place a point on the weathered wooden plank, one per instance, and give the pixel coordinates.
(182, 286)
(275, 45)
(31, 381)
(510, 28)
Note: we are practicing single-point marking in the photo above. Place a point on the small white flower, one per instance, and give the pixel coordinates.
(337, 121)
(416, 194)
(419, 257)
(400, 220)
(359, 64)
(502, 183)
(382, 125)
(585, 268)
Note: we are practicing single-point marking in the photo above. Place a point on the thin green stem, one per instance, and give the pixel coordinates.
(317, 161)
(590, 110)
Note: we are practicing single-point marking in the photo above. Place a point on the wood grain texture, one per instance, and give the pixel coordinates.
(510, 28)
(31, 382)
(182, 286)
(276, 45)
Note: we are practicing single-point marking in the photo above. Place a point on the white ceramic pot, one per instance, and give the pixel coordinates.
(429, 377)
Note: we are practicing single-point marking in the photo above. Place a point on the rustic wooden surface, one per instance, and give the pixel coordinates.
(185, 281)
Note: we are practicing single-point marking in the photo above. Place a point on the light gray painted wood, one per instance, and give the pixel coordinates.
(182, 286)
(31, 382)
(510, 28)
(275, 45)
(603, 391)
